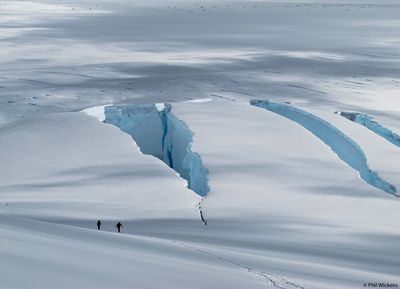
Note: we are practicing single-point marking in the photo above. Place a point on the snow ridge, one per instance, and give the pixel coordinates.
(160, 133)
(343, 146)
(368, 122)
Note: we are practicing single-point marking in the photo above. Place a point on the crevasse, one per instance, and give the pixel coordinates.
(160, 133)
(368, 122)
(343, 146)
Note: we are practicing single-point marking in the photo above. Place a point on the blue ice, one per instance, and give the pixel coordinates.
(163, 135)
(368, 122)
(343, 146)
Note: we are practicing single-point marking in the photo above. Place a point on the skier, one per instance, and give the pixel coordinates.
(118, 226)
(98, 225)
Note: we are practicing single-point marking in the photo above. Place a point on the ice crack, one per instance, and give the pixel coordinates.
(158, 132)
(368, 122)
(342, 145)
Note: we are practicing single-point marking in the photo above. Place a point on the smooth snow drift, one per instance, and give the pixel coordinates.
(40, 255)
(158, 132)
(344, 147)
(368, 122)
(71, 166)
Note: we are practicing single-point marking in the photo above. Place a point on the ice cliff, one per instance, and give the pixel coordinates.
(368, 122)
(342, 145)
(158, 132)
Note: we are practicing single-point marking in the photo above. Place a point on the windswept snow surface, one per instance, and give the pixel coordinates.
(63, 55)
(283, 211)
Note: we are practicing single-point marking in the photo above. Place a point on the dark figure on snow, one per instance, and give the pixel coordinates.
(119, 225)
(98, 225)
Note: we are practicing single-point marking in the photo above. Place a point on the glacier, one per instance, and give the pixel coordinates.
(158, 132)
(283, 206)
(344, 147)
(368, 122)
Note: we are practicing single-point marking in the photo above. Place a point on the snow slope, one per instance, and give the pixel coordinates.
(289, 208)
(73, 166)
(267, 171)
(41, 255)
(282, 209)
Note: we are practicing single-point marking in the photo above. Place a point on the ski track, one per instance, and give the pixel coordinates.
(268, 279)
(63, 73)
